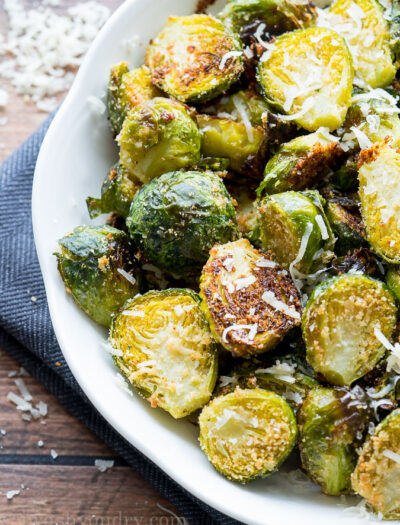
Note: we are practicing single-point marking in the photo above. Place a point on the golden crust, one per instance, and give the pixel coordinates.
(226, 305)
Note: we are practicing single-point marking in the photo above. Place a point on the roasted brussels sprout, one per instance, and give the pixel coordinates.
(379, 176)
(340, 325)
(126, 90)
(117, 193)
(249, 301)
(362, 23)
(248, 433)
(244, 146)
(331, 425)
(97, 267)
(377, 475)
(194, 58)
(393, 281)
(158, 136)
(164, 348)
(294, 228)
(278, 16)
(308, 74)
(301, 163)
(343, 214)
(177, 218)
(360, 260)
(373, 117)
(346, 177)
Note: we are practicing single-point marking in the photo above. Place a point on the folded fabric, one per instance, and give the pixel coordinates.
(26, 331)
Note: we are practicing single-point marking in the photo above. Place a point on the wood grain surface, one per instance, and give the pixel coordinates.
(68, 490)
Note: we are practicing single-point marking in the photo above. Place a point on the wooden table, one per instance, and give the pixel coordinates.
(70, 489)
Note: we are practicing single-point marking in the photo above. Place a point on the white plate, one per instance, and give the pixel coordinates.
(77, 152)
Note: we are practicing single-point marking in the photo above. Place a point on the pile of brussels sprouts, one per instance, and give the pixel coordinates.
(248, 268)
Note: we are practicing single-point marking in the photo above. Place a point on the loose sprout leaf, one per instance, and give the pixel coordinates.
(313, 85)
(338, 327)
(379, 176)
(90, 263)
(248, 433)
(187, 56)
(249, 307)
(362, 24)
(377, 475)
(158, 136)
(177, 218)
(168, 353)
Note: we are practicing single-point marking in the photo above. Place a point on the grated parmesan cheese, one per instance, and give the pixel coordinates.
(45, 47)
(244, 282)
(3, 98)
(20, 383)
(11, 493)
(282, 371)
(251, 327)
(53, 454)
(271, 300)
(127, 276)
(322, 226)
(394, 456)
(103, 464)
(227, 56)
(262, 262)
(362, 138)
(242, 111)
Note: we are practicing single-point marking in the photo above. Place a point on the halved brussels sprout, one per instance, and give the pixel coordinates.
(343, 214)
(158, 136)
(244, 146)
(97, 266)
(249, 301)
(346, 177)
(177, 218)
(248, 433)
(362, 24)
(377, 475)
(329, 422)
(360, 260)
(278, 16)
(379, 176)
(393, 281)
(340, 326)
(126, 90)
(374, 117)
(117, 193)
(194, 58)
(308, 74)
(301, 163)
(294, 228)
(164, 348)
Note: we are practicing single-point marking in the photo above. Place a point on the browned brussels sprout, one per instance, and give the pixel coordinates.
(377, 475)
(194, 58)
(126, 90)
(158, 136)
(164, 348)
(248, 433)
(294, 228)
(301, 163)
(308, 75)
(393, 281)
(97, 267)
(331, 423)
(177, 218)
(342, 324)
(248, 299)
